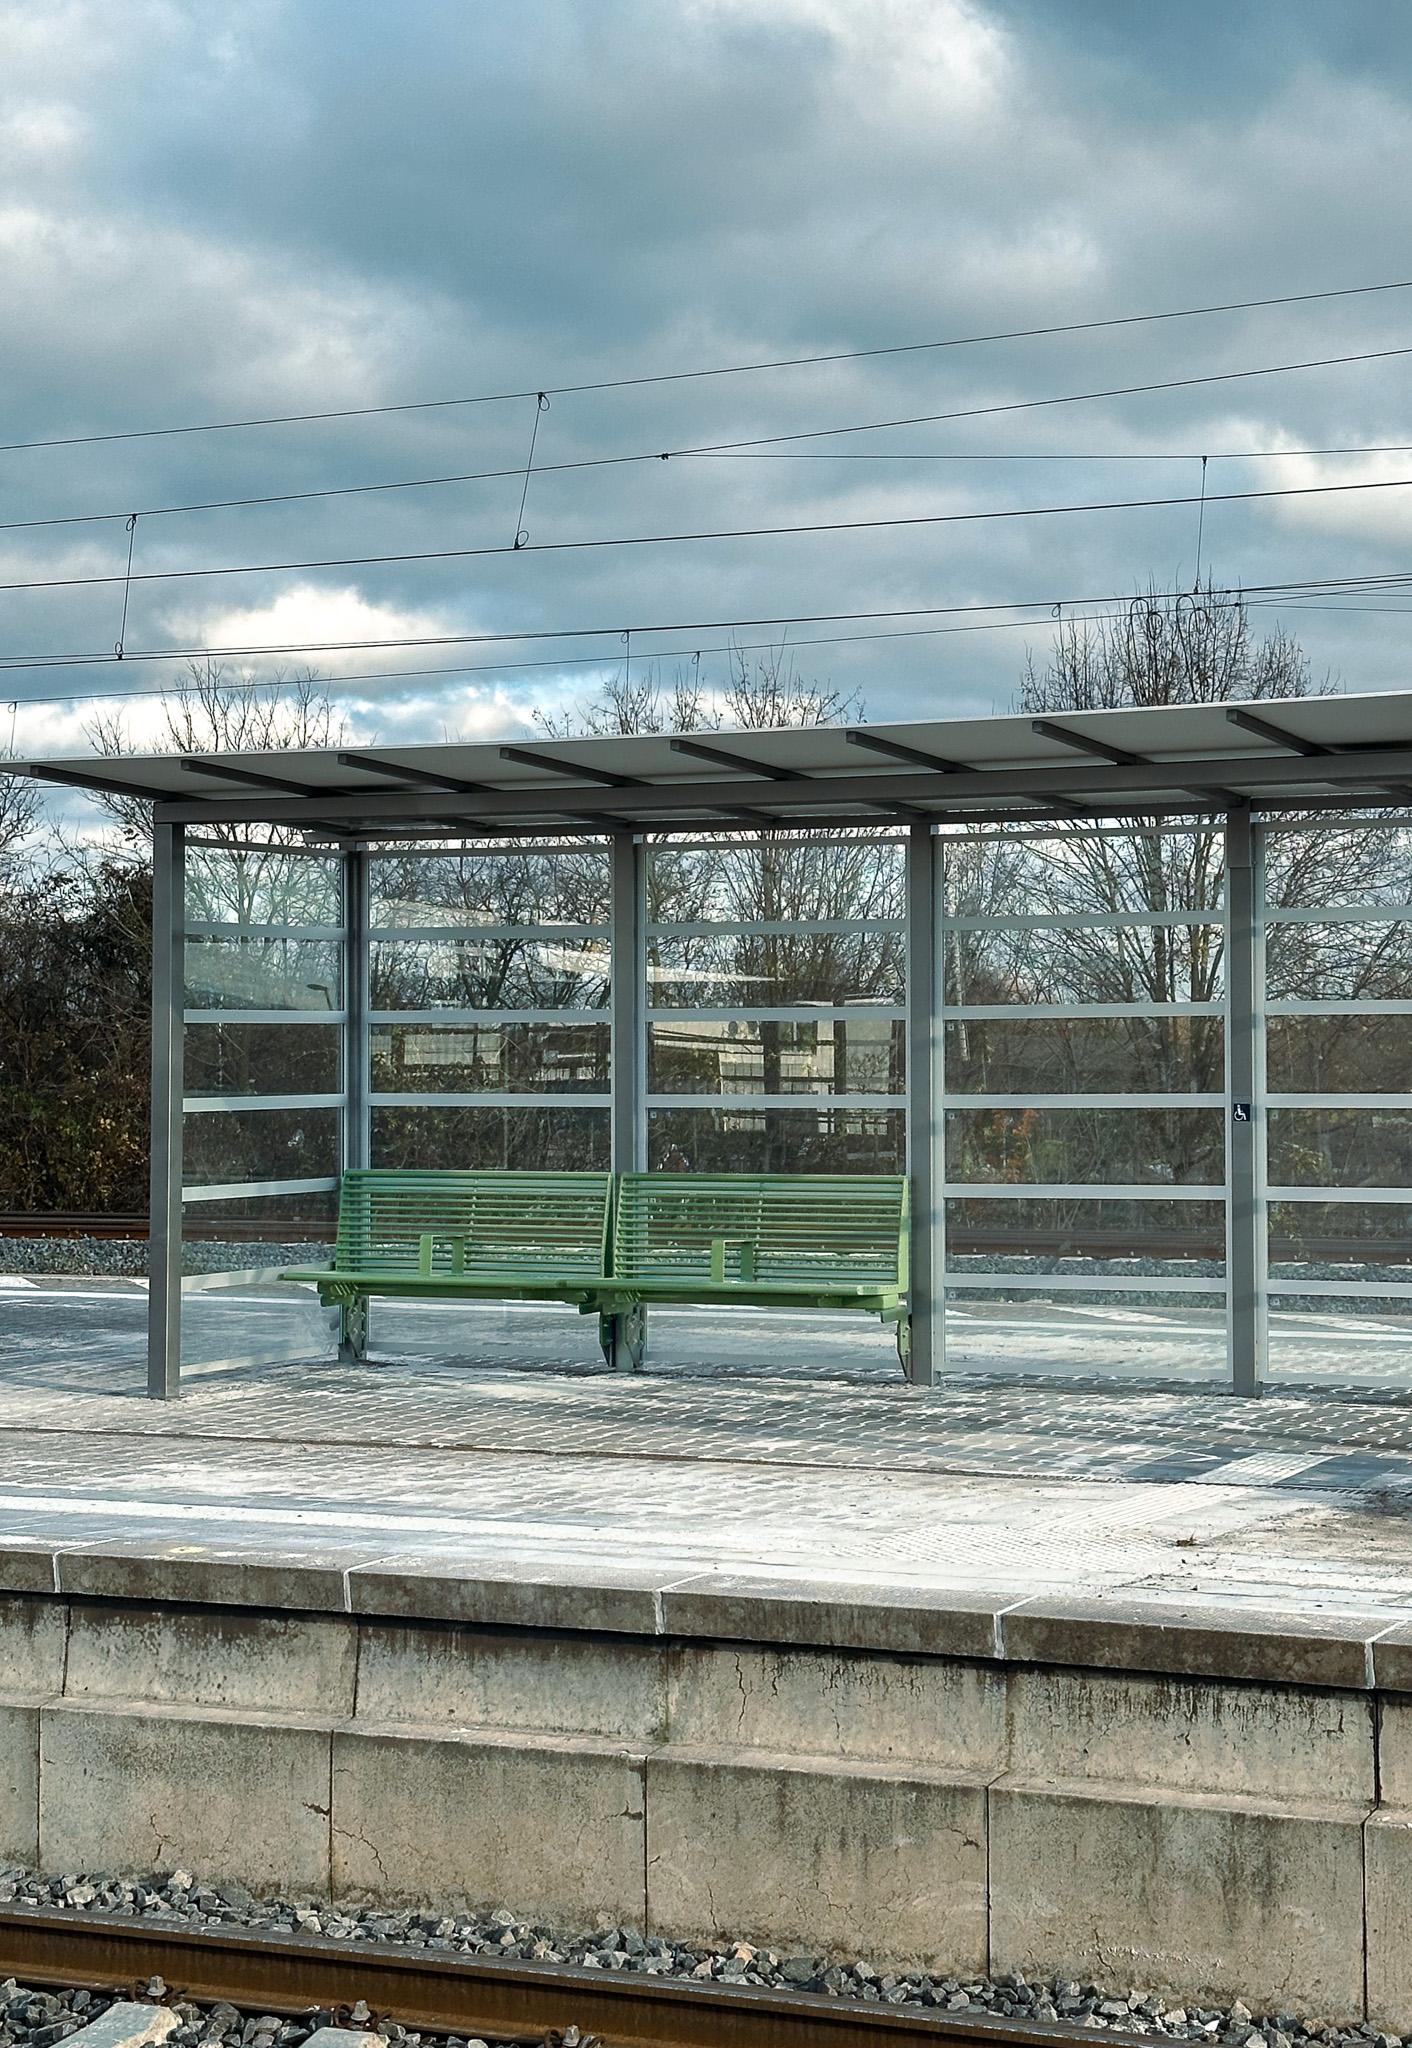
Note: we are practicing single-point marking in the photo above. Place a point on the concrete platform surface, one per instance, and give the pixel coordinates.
(577, 1498)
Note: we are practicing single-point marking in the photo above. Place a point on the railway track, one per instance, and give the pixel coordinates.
(291, 1974)
(1074, 1243)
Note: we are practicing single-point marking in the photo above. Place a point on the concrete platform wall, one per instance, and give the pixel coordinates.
(1213, 1832)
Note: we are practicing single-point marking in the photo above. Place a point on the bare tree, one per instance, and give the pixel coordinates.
(20, 806)
(1198, 649)
(757, 696)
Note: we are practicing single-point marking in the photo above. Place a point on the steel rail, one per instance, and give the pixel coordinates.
(467, 1995)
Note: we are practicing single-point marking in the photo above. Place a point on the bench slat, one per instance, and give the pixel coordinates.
(538, 1225)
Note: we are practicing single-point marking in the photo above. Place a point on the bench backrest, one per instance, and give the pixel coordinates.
(548, 1225)
(800, 1228)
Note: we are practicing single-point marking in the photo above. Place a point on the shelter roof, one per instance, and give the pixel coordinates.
(1353, 751)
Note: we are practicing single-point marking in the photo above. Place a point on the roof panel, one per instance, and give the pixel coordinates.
(1192, 735)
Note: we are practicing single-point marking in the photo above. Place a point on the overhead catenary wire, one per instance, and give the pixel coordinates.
(740, 369)
(554, 663)
(640, 540)
(1225, 594)
(758, 449)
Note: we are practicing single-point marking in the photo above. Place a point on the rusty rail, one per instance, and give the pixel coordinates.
(293, 1973)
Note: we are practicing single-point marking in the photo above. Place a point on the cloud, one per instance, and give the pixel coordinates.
(242, 207)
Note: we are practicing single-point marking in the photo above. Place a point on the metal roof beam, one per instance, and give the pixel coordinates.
(896, 750)
(282, 785)
(73, 778)
(1266, 729)
(400, 772)
(724, 757)
(1104, 750)
(1309, 750)
(552, 765)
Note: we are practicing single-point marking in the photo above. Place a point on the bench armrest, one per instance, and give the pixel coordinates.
(721, 1245)
(426, 1250)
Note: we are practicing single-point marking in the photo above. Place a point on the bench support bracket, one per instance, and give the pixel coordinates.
(353, 1324)
(623, 1337)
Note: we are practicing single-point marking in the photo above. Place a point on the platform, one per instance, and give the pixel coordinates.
(1029, 1675)
(426, 1463)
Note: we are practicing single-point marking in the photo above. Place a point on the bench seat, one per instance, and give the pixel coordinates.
(441, 1235)
(610, 1245)
(824, 1241)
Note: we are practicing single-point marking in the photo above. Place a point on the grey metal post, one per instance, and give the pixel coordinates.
(625, 1336)
(354, 1322)
(164, 1237)
(357, 1046)
(924, 1134)
(1245, 1115)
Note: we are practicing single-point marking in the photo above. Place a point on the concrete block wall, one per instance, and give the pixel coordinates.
(941, 1799)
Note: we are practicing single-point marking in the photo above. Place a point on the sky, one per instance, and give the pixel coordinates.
(213, 211)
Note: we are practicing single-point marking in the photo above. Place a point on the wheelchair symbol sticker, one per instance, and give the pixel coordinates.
(1240, 1112)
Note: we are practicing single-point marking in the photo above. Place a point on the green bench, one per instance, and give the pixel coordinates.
(483, 1236)
(611, 1246)
(758, 1240)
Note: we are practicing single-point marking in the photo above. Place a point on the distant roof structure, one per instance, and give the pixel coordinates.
(1339, 752)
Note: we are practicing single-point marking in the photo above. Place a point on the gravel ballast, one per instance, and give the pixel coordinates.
(505, 1936)
(32, 2018)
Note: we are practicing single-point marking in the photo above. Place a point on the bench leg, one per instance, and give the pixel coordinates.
(623, 1338)
(353, 1322)
(902, 1330)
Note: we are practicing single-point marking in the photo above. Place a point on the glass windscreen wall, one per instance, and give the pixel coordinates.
(775, 1004)
(263, 1008)
(1082, 1081)
(1338, 1095)
(488, 1037)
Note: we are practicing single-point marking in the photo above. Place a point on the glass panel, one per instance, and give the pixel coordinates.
(1076, 873)
(1105, 964)
(1337, 962)
(1340, 1240)
(1171, 1240)
(786, 878)
(775, 1141)
(258, 1231)
(568, 885)
(232, 1310)
(1098, 1055)
(1339, 1055)
(1341, 1340)
(1335, 1148)
(1076, 1335)
(1335, 865)
(546, 1139)
(776, 972)
(225, 1146)
(262, 1059)
(1183, 1146)
(827, 1056)
(263, 974)
(532, 973)
(431, 1059)
(243, 886)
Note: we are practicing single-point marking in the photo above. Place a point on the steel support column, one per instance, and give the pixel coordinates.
(625, 1336)
(164, 1240)
(357, 1048)
(1245, 1113)
(924, 1130)
(353, 1323)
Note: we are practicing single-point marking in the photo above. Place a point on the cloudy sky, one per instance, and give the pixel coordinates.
(211, 210)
